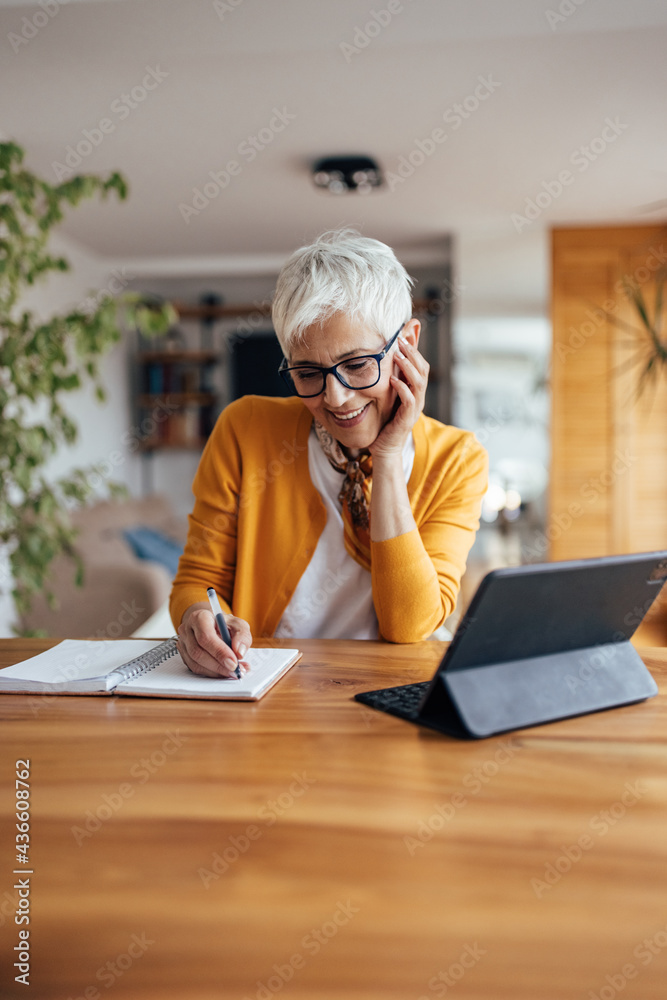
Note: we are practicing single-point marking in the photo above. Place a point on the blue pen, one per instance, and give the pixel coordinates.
(222, 624)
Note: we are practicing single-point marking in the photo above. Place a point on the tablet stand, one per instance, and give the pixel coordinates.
(480, 701)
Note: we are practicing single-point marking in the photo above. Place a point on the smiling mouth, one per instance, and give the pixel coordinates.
(350, 418)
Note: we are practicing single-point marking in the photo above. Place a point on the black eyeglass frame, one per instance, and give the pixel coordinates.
(284, 371)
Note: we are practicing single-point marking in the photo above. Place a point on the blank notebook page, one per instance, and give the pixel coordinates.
(173, 677)
(75, 660)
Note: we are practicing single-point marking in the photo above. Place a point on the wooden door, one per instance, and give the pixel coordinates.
(608, 483)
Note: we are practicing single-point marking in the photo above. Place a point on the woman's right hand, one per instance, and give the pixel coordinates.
(202, 649)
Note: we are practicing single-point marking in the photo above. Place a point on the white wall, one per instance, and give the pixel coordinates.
(500, 392)
(101, 426)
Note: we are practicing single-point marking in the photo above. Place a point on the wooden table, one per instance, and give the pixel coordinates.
(309, 847)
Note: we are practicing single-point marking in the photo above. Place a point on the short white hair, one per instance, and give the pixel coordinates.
(341, 272)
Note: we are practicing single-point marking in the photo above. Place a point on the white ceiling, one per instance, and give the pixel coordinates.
(557, 77)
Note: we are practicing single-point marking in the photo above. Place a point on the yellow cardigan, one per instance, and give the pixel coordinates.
(257, 518)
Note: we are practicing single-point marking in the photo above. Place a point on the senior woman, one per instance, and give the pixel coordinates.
(342, 512)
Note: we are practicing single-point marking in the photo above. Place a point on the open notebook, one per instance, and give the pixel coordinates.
(139, 667)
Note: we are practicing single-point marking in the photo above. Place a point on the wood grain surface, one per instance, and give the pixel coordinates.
(608, 472)
(310, 848)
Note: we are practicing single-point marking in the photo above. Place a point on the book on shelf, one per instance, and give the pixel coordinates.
(183, 428)
(155, 379)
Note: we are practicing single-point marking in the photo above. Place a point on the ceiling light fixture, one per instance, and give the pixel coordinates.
(340, 174)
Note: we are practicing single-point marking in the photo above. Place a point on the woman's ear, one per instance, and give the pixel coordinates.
(411, 331)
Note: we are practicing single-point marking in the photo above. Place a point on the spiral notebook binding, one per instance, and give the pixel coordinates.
(148, 661)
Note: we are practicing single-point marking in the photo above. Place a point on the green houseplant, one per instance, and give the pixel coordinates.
(647, 340)
(40, 362)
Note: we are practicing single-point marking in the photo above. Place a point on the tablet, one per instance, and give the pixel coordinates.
(538, 643)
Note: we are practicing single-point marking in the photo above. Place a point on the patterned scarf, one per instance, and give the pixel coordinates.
(355, 495)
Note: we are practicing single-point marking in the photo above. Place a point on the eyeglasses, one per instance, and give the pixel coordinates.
(355, 373)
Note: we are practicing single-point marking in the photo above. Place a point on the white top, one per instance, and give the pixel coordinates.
(333, 599)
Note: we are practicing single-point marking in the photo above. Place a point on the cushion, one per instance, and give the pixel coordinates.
(147, 543)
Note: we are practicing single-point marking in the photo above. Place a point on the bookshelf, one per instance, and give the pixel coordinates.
(178, 393)
(179, 381)
(177, 398)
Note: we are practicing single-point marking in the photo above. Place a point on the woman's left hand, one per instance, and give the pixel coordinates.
(411, 391)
